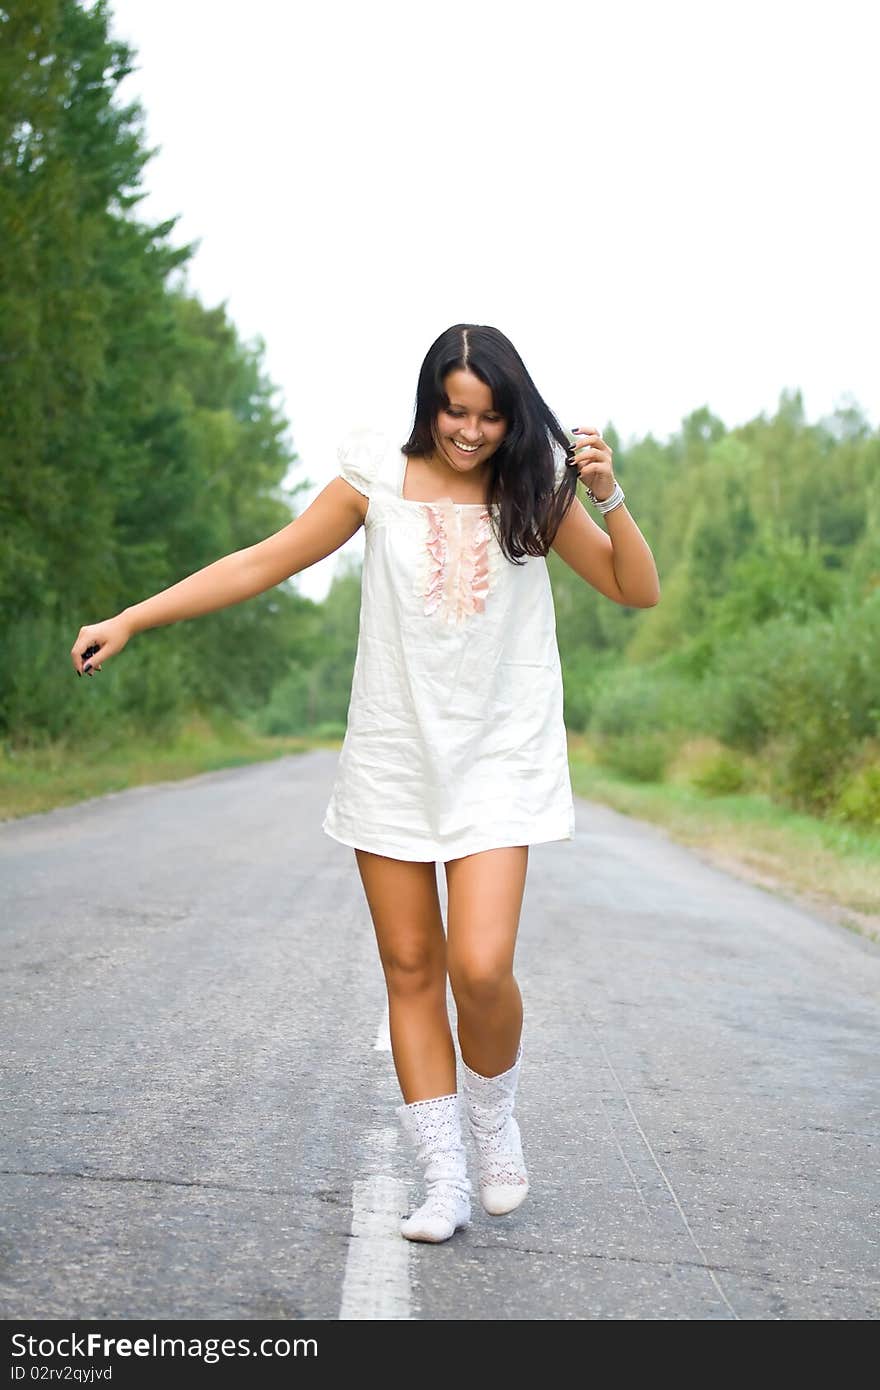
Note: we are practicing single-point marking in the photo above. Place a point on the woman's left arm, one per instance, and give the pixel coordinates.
(619, 562)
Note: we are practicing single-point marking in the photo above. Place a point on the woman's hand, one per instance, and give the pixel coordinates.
(592, 459)
(101, 640)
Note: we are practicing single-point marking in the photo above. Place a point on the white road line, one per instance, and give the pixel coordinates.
(376, 1283)
(383, 1036)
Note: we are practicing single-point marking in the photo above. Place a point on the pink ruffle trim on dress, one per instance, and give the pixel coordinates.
(438, 552)
(458, 576)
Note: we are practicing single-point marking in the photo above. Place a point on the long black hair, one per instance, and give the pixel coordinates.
(529, 504)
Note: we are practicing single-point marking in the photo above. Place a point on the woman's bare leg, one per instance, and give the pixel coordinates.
(405, 908)
(485, 893)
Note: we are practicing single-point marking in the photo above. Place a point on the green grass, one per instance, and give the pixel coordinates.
(830, 866)
(39, 779)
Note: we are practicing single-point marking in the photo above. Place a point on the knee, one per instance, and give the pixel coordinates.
(479, 982)
(413, 971)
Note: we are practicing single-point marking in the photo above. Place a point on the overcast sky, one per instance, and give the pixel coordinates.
(663, 205)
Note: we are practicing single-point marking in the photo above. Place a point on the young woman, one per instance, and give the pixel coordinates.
(455, 748)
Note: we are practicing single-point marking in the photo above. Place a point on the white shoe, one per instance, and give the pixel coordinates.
(434, 1127)
(504, 1182)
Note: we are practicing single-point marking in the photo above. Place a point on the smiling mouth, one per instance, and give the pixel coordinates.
(465, 449)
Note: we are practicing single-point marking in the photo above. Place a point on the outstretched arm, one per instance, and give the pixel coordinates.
(326, 524)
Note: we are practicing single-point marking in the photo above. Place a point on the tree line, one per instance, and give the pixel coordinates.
(767, 635)
(140, 438)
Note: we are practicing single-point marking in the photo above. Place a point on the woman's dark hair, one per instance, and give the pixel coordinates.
(530, 504)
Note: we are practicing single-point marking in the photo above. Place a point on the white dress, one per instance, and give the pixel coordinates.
(455, 741)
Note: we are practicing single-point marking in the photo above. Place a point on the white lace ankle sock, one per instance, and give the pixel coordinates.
(434, 1128)
(489, 1100)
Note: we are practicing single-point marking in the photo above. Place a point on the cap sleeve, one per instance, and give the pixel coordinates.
(359, 457)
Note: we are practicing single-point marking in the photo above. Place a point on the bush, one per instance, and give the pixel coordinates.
(721, 775)
(858, 800)
(635, 700)
(582, 674)
(808, 767)
(704, 763)
(746, 695)
(42, 699)
(811, 691)
(147, 683)
(641, 757)
(142, 687)
(286, 712)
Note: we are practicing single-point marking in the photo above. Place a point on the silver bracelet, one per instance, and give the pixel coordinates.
(609, 503)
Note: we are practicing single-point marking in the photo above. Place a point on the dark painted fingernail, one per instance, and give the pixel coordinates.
(88, 666)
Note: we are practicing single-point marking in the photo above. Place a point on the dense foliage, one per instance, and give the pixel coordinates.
(139, 440)
(767, 636)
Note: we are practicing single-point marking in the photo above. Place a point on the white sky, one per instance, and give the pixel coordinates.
(663, 205)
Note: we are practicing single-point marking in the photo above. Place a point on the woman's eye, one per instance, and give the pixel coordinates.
(457, 415)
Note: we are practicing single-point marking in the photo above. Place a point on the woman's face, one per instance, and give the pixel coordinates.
(469, 430)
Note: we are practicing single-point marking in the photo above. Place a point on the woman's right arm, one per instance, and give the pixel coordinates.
(327, 523)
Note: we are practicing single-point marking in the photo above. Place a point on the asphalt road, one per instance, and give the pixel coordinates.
(198, 1095)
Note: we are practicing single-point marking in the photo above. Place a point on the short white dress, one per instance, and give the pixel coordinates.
(455, 741)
